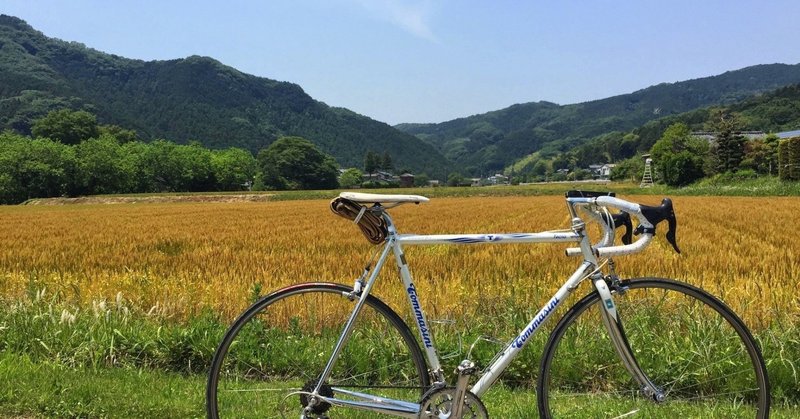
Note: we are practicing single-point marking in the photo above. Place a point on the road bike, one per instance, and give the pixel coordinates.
(324, 350)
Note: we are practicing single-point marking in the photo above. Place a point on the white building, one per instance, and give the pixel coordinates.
(605, 170)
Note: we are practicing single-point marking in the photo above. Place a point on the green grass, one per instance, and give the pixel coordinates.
(52, 389)
(112, 362)
(47, 389)
(729, 185)
(107, 335)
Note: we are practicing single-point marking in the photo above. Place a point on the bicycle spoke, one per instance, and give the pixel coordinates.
(279, 351)
(723, 377)
(254, 390)
(683, 344)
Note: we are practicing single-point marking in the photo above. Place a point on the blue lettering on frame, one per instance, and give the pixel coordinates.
(523, 337)
(423, 328)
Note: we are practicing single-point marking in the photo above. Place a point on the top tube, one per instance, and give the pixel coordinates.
(543, 237)
(595, 205)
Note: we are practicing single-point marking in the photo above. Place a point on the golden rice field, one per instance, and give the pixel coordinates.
(178, 259)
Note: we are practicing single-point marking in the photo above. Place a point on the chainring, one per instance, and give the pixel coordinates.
(438, 405)
(325, 391)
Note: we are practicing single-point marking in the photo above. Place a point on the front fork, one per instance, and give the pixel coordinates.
(613, 323)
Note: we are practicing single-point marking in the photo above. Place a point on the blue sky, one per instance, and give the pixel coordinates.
(435, 60)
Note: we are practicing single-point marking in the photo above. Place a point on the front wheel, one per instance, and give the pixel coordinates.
(688, 343)
(275, 352)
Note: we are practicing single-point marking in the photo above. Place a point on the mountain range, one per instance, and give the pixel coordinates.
(491, 141)
(201, 99)
(196, 98)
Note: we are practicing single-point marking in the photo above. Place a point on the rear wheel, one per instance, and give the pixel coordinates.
(688, 343)
(274, 353)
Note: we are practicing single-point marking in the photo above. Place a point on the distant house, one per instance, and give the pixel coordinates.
(600, 171)
(605, 171)
(380, 176)
(406, 180)
(434, 183)
(594, 169)
(498, 179)
(750, 135)
(476, 181)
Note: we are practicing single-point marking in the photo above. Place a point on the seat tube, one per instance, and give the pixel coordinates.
(423, 327)
(613, 324)
(348, 328)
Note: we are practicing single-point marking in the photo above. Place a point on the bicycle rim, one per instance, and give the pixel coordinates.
(687, 342)
(278, 348)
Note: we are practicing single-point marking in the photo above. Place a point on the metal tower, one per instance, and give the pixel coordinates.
(647, 178)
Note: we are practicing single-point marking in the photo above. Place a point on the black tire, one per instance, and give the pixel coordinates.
(687, 342)
(282, 342)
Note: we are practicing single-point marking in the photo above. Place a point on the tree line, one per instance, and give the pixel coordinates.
(789, 159)
(771, 112)
(41, 167)
(681, 158)
(70, 154)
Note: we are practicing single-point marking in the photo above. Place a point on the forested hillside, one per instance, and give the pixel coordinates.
(200, 99)
(196, 98)
(492, 141)
(770, 113)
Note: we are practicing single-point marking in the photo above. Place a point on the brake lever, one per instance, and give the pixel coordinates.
(618, 220)
(673, 227)
(655, 215)
(623, 218)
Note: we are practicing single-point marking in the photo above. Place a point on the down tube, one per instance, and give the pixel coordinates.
(519, 342)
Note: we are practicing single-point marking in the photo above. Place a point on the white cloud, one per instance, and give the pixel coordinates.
(413, 16)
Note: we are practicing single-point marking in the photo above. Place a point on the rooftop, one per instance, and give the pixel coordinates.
(789, 134)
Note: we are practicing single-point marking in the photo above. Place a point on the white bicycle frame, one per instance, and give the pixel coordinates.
(589, 268)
